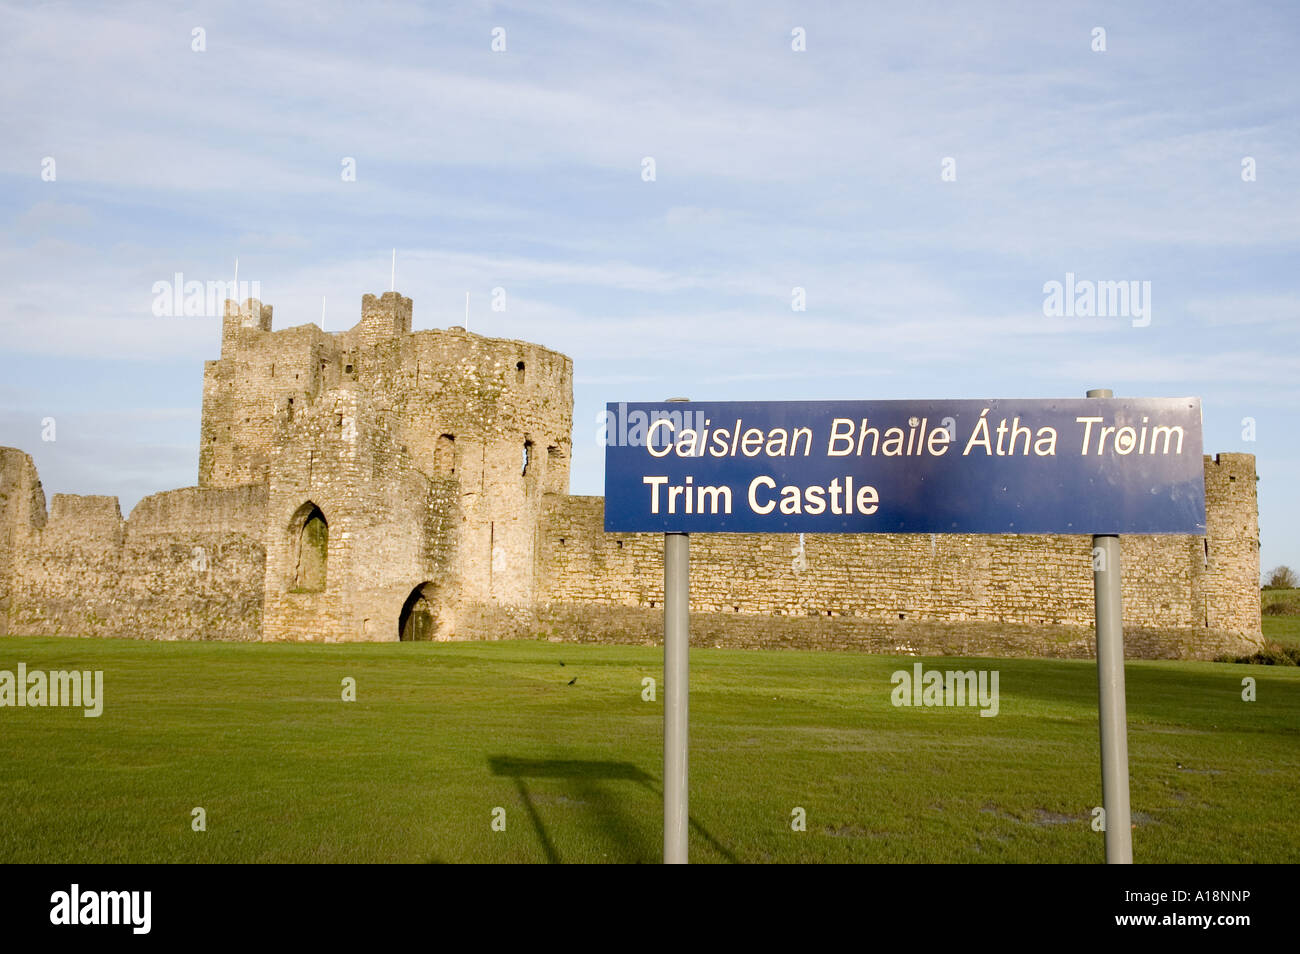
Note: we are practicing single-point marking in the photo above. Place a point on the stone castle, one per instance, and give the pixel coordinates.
(383, 484)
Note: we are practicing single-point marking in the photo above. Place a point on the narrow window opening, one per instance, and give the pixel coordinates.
(444, 456)
(528, 456)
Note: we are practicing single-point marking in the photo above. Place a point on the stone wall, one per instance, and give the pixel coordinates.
(432, 469)
(588, 623)
(188, 564)
(1182, 595)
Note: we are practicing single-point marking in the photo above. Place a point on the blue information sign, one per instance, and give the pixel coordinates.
(1086, 466)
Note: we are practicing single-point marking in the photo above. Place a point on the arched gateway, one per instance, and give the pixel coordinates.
(418, 621)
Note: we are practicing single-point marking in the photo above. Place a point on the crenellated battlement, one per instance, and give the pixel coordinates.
(237, 319)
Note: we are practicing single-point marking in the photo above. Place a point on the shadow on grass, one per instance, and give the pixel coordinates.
(585, 778)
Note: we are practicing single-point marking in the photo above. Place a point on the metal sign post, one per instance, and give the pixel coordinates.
(1094, 465)
(1111, 706)
(677, 645)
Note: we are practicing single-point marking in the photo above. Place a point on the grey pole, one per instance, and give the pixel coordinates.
(677, 642)
(676, 695)
(1111, 705)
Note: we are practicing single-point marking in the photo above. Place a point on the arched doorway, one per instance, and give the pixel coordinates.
(418, 621)
(310, 534)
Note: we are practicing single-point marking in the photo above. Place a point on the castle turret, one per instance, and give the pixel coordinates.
(22, 511)
(251, 314)
(1229, 580)
(387, 316)
(261, 379)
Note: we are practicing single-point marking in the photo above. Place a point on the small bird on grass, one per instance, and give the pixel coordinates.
(573, 680)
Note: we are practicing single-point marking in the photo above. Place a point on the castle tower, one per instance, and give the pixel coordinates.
(405, 470)
(1228, 591)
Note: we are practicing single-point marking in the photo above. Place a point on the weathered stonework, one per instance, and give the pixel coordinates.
(1184, 597)
(379, 483)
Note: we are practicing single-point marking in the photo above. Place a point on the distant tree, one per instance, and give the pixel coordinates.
(1282, 578)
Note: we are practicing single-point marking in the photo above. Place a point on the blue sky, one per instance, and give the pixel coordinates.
(522, 169)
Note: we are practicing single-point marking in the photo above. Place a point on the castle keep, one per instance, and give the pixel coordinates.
(383, 484)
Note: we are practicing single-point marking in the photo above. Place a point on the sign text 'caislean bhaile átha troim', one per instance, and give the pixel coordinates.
(1077, 466)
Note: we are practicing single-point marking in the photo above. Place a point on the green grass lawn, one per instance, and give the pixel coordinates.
(1284, 628)
(441, 734)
